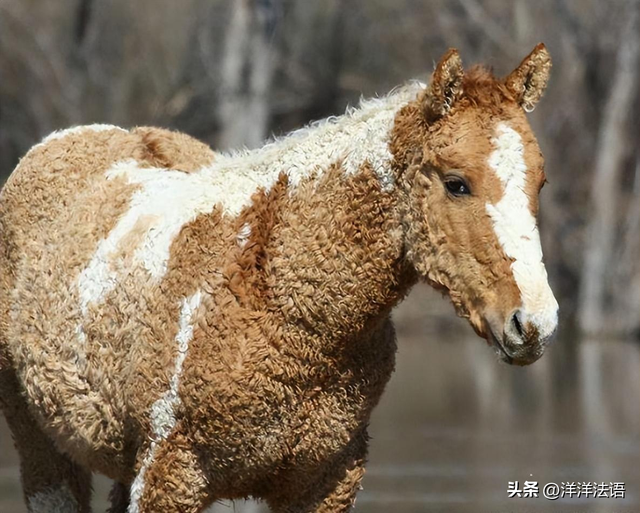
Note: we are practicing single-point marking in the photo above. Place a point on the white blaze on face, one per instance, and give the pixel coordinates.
(517, 231)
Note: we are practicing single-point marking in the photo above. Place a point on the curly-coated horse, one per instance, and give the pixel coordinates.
(200, 325)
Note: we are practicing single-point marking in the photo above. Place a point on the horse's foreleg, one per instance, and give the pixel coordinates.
(170, 479)
(51, 482)
(335, 489)
(119, 498)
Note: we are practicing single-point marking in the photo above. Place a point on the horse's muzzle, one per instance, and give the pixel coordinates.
(518, 340)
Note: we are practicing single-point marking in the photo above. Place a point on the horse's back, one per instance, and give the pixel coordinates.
(56, 211)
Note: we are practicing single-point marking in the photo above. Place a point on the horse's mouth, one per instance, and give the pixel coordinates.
(496, 343)
(520, 357)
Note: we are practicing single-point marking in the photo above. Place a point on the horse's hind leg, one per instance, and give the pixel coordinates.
(51, 482)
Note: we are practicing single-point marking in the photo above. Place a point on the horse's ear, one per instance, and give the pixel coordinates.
(529, 80)
(445, 86)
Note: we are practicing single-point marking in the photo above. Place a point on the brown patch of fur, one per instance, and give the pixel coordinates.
(173, 150)
(247, 268)
(128, 244)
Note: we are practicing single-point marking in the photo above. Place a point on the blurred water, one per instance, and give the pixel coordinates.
(455, 426)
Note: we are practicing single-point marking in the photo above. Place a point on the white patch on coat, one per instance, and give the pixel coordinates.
(169, 199)
(59, 134)
(163, 411)
(173, 198)
(55, 499)
(517, 231)
(243, 235)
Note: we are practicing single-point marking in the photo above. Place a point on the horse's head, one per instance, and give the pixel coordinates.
(473, 172)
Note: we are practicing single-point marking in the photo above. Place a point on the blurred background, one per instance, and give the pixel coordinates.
(454, 426)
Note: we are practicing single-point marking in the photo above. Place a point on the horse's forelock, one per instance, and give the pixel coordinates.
(483, 89)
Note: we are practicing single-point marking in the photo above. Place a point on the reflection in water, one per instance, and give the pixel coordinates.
(454, 438)
(455, 426)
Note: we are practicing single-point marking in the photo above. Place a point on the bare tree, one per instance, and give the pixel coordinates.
(611, 150)
(246, 73)
(232, 71)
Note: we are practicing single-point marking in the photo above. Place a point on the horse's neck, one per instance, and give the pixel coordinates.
(330, 230)
(335, 255)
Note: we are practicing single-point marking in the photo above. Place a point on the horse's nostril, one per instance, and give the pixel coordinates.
(515, 320)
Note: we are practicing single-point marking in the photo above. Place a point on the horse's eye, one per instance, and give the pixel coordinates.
(457, 187)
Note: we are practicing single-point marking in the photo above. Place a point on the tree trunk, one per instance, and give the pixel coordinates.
(611, 150)
(247, 70)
